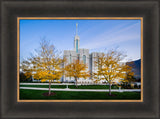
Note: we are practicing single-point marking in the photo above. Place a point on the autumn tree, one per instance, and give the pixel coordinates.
(77, 69)
(109, 67)
(23, 77)
(25, 69)
(130, 76)
(44, 65)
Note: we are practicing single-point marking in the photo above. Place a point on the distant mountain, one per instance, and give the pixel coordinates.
(136, 65)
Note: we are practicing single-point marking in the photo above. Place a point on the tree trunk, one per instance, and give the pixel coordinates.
(49, 87)
(110, 89)
(76, 83)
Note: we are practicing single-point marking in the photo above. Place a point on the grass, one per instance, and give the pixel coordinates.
(69, 95)
(73, 86)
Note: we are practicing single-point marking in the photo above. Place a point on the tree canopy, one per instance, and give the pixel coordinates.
(45, 64)
(77, 69)
(109, 67)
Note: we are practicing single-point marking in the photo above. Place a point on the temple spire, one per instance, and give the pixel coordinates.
(76, 39)
(76, 29)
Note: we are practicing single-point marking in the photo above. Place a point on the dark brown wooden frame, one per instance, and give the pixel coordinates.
(11, 9)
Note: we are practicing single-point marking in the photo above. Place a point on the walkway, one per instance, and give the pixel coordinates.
(88, 90)
(46, 83)
(56, 84)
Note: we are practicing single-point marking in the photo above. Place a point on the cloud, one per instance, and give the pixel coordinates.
(118, 34)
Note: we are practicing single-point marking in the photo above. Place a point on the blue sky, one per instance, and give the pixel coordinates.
(96, 35)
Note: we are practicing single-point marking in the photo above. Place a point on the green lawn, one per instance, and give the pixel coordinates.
(69, 95)
(73, 86)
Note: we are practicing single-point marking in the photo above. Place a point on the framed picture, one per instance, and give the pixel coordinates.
(85, 73)
(79, 78)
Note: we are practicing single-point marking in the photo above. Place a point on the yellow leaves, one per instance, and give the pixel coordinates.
(47, 76)
(110, 68)
(28, 75)
(44, 80)
(76, 69)
(46, 65)
(131, 73)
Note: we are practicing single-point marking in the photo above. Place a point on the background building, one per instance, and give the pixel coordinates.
(89, 59)
(82, 55)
